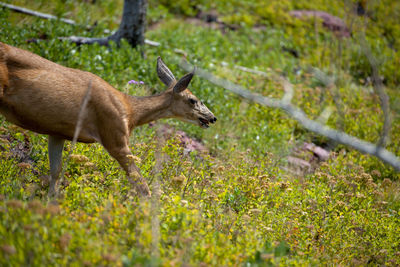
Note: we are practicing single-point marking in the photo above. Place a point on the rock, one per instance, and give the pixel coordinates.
(188, 143)
(329, 21)
(319, 152)
(301, 163)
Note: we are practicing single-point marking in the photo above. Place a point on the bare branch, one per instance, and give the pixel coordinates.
(258, 72)
(86, 40)
(380, 91)
(299, 115)
(36, 13)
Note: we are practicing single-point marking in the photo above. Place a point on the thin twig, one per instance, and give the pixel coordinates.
(155, 198)
(188, 181)
(380, 91)
(78, 128)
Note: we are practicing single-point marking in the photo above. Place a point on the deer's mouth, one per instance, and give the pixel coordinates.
(204, 123)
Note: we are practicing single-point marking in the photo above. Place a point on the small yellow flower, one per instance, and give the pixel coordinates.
(79, 158)
(255, 211)
(134, 158)
(90, 165)
(179, 179)
(221, 168)
(24, 165)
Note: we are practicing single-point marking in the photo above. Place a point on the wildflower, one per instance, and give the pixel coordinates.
(24, 165)
(65, 240)
(246, 217)
(134, 158)
(361, 196)
(109, 257)
(141, 82)
(284, 185)
(132, 82)
(90, 165)
(386, 182)
(382, 203)
(221, 168)
(53, 209)
(8, 249)
(376, 173)
(3, 140)
(15, 203)
(36, 207)
(255, 211)
(44, 180)
(79, 158)
(179, 179)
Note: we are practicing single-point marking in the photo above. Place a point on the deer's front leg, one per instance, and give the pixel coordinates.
(125, 158)
(55, 148)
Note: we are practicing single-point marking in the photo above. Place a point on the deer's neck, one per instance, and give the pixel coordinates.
(149, 108)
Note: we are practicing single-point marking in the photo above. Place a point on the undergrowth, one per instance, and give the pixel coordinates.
(238, 203)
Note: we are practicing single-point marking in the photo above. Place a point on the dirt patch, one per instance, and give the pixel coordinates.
(188, 143)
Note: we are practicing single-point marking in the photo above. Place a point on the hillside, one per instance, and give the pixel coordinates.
(254, 189)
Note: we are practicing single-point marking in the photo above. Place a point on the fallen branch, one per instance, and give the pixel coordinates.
(36, 13)
(87, 40)
(74, 39)
(77, 39)
(299, 115)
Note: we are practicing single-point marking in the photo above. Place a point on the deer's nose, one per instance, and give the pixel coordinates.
(212, 120)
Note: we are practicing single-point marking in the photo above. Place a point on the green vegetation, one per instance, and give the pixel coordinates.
(241, 203)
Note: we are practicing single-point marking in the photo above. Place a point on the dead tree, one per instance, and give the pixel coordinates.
(132, 26)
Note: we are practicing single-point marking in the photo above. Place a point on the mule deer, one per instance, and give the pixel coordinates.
(44, 97)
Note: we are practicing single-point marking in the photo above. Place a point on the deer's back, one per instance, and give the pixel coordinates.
(45, 97)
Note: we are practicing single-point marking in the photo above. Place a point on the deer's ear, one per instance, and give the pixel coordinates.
(164, 73)
(183, 82)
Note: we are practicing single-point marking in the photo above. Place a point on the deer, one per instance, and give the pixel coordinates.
(44, 97)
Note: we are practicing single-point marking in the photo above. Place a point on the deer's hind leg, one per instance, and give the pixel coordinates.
(56, 145)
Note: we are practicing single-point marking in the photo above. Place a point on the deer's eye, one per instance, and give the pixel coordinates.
(192, 101)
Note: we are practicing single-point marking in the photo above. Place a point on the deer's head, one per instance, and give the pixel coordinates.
(184, 105)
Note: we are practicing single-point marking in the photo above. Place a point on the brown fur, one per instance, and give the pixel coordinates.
(44, 97)
(3, 70)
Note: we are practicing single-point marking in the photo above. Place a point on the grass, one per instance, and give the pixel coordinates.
(240, 203)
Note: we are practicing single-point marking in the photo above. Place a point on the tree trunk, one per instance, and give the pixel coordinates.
(132, 26)
(133, 23)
